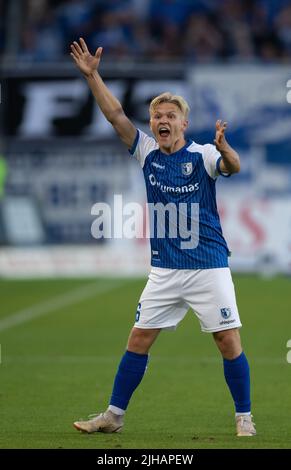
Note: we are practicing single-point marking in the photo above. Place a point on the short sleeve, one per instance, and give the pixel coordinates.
(212, 159)
(143, 145)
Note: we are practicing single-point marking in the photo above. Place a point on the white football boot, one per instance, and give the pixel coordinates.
(245, 425)
(107, 422)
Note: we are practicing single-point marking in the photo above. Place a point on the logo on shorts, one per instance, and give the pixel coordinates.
(225, 312)
(187, 168)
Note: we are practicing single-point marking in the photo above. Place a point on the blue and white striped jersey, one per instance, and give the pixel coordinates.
(185, 229)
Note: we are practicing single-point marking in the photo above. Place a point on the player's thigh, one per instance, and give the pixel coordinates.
(211, 295)
(161, 305)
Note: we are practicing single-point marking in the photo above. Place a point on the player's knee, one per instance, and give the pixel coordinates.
(228, 343)
(140, 340)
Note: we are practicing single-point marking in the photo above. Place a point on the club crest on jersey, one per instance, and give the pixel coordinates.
(225, 312)
(187, 168)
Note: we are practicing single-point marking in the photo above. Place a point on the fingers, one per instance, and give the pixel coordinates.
(74, 54)
(220, 125)
(75, 50)
(80, 51)
(84, 45)
(74, 57)
(98, 52)
(219, 136)
(77, 46)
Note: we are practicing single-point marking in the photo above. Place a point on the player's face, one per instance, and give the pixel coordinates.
(168, 125)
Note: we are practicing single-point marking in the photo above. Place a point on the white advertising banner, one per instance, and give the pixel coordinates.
(257, 231)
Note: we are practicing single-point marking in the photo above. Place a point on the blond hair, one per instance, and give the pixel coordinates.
(169, 98)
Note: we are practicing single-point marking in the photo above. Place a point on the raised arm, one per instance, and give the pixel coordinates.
(110, 106)
(230, 162)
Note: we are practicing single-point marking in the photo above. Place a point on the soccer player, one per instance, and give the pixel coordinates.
(192, 273)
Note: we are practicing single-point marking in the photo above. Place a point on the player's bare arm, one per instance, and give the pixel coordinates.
(230, 162)
(88, 64)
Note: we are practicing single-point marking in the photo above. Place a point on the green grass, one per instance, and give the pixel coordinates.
(60, 366)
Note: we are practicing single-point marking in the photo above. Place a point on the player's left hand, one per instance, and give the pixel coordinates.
(220, 140)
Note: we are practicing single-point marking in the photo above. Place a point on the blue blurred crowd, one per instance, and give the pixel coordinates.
(155, 30)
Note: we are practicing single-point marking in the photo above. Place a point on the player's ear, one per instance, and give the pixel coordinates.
(185, 124)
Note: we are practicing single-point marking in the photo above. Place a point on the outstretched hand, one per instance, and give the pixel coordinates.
(220, 140)
(86, 62)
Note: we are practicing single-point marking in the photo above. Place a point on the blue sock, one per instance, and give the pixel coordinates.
(237, 376)
(130, 372)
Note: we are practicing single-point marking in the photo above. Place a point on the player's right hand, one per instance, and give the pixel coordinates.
(86, 62)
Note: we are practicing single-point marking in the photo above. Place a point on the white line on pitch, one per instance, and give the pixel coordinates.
(112, 359)
(56, 303)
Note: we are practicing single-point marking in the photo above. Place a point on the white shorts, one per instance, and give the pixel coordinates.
(169, 293)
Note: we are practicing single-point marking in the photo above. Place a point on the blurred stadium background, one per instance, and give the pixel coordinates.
(58, 156)
(231, 60)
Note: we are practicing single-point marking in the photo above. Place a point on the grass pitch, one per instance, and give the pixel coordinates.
(61, 342)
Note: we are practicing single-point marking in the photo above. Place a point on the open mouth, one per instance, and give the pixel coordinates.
(164, 132)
